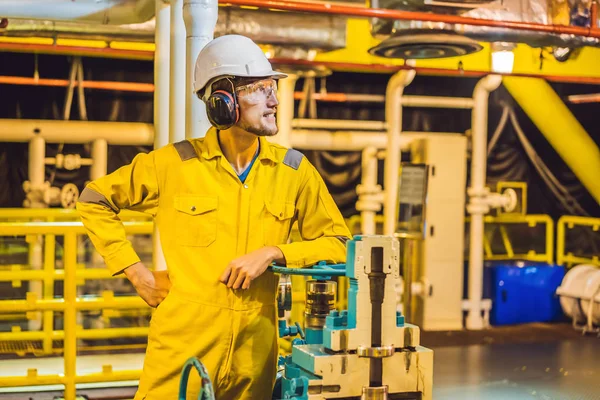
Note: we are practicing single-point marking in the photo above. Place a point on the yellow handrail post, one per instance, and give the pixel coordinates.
(560, 238)
(49, 262)
(550, 240)
(70, 316)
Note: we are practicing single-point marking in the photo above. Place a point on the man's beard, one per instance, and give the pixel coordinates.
(260, 130)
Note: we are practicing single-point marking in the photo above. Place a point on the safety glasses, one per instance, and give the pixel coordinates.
(258, 91)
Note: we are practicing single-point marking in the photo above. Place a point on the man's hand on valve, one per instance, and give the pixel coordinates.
(243, 270)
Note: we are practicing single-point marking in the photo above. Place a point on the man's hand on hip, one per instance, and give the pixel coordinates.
(243, 270)
(152, 286)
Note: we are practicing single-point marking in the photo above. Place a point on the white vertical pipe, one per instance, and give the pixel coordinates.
(200, 17)
(37, 170)
(99, 159)
(368, 181)
(161, 74)
(479, 122)
(393, 117)
(161, 103)
(177, 71)
(285, 109)
(37, 179)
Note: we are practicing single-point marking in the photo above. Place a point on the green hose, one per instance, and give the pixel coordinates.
(206, 388)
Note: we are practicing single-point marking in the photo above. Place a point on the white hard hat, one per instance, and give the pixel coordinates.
(231, 56)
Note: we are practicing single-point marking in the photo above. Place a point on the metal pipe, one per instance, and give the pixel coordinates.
(161, 74)
(369, 184)
(285, 109)
(99, 159)
(177, 71)
(366, 12)
(339, 124)
(437, 102)
(161, 104)
(149, 55)
(584, 98)
(477, 192)
(57, 131)
(393, 116)
(343, 97)
(103, 85)
(200, 18)
(101, 12)
(35, 199)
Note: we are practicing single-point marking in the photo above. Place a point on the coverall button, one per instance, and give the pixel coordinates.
(193, 208)
(245, 186)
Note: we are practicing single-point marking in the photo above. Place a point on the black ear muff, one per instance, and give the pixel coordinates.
(222, 109)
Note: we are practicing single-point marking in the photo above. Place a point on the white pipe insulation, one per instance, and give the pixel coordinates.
(177, 91)
(200, 18)
(477, 206)
(393, 117)
(162, 78)
(113, 12)
(57, 131)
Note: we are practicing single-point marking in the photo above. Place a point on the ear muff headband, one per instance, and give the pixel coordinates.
(222, 109)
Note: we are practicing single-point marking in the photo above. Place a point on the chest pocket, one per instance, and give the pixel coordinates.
(196, 220)
(277, 221)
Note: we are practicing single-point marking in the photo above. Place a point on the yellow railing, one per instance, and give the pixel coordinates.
(70, 304)
(569, 222)
(532, 220)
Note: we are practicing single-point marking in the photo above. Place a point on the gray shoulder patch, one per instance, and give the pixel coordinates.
(293, 158)
(185, 150)
(91, 196)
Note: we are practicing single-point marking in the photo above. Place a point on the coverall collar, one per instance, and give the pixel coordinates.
(211, 149)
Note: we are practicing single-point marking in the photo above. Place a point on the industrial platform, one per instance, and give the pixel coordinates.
(563, 365)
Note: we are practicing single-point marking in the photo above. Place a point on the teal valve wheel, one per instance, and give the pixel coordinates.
(206, 389)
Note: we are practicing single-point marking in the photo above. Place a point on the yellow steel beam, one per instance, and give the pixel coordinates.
(556, 122)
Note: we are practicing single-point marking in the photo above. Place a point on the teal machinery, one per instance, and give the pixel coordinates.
(366, 352)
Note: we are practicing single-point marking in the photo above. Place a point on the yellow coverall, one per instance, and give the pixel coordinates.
(207, 217)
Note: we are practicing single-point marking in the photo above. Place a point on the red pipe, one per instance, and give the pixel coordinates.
(584, 98)
(84, 51)
(106, 85)
(353, 11)
(594, 14)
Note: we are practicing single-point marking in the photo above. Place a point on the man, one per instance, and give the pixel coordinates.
(224, 206)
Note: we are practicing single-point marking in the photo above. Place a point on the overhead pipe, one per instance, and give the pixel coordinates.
(552, 117)
(177, 70)
(477, 206)
(338, 66)
(584, 98)
(366, 12)
(437, 102)
(200, 18)
(393, 117)
(100, 12)
(103, 85)
(338, 124)
(58, 131)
